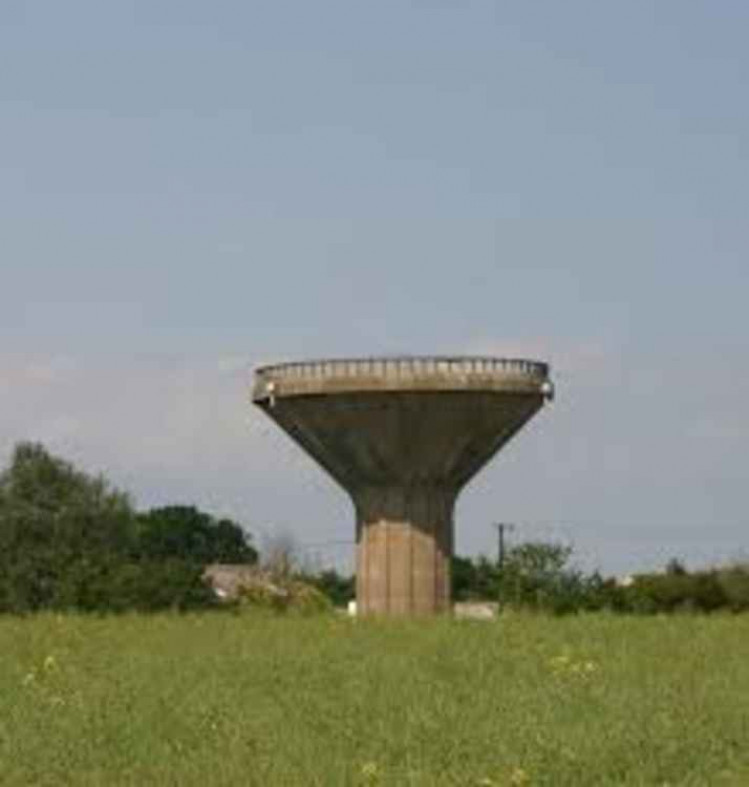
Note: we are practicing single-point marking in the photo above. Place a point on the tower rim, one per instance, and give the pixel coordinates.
(394, 363)
(416, 373)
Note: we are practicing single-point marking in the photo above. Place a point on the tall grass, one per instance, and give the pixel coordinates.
(259, 700)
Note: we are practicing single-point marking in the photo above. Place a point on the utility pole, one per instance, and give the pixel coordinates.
(501, 527)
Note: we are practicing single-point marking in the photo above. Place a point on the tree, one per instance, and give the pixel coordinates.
(187, 533)
(68, 540)
(676, 568)
(463, 575)
(474, 579)
(538, 559)
(339, 588)
(535, 574)
(61, 530)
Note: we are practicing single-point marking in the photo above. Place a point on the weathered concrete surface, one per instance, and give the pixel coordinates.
(404, 544)
(403, 436)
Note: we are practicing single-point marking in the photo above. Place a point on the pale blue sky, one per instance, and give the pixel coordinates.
(189, 188)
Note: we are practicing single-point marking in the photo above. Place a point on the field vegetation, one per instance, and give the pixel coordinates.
(119, 665)
(257, 698)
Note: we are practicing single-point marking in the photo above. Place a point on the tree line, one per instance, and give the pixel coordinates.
(69, 540)
(540, 576)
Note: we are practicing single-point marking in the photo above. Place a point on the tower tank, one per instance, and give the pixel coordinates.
(403, 436)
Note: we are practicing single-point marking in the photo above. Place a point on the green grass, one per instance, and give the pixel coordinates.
(259, 700)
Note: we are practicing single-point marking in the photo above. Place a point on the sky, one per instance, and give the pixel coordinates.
(191, 189)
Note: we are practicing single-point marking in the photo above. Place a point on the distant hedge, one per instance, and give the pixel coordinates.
(536, 576)
(700, 591)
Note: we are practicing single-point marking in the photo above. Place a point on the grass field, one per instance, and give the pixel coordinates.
(221, 699)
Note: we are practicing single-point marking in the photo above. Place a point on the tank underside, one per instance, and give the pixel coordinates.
(403, 445)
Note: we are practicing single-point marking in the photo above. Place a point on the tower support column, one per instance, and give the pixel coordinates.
(404, 546)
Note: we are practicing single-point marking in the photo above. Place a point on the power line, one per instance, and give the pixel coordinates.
(337, 542)
(598, 523)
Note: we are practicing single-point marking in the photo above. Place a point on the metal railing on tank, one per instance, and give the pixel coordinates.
(405, 366)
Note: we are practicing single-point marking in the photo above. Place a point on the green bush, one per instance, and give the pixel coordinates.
(676, 592)
(536, 576)
(734, 582)
(475, 580)
(285, 596)
(150, 586)
(338, 588)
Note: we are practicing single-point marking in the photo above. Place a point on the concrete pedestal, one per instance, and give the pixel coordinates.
(404, 545)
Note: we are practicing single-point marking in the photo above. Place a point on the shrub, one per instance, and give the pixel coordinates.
(676, 592)
(536, 576)
(149, 586)
(286, 596)
(734, 582)
(339, 589)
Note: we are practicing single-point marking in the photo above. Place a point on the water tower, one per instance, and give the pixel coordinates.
(403, 436)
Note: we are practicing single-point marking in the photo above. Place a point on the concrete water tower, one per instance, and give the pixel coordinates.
(402, 436)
